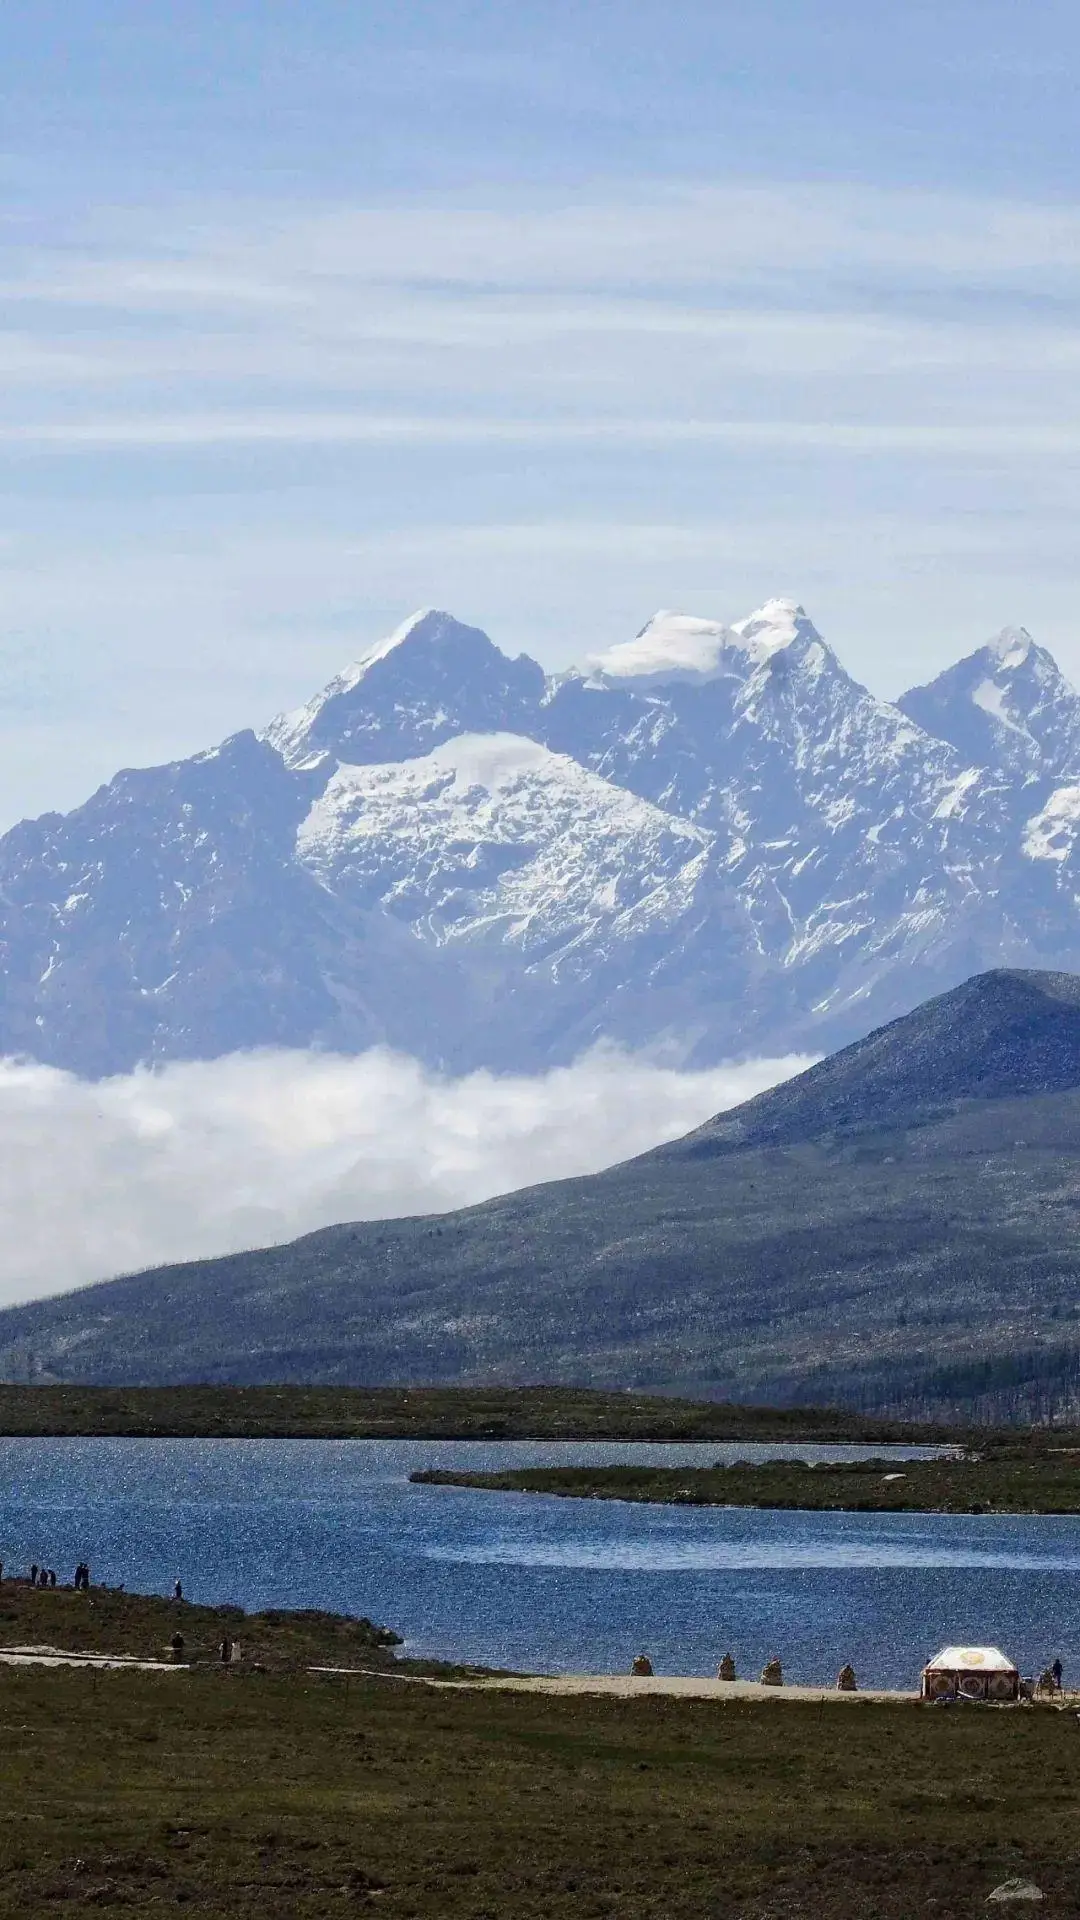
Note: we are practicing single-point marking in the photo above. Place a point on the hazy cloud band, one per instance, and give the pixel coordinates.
(98, 1178)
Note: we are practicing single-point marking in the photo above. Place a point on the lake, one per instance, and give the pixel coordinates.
(537, 1583)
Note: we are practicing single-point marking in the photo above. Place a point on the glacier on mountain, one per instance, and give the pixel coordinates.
(709, 839)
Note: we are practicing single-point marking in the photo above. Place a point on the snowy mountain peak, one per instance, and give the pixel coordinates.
(774, 627)
(670, 647)
(494, 761)
(431, 678)
(427, 624)
(1010, 648)
(685, 647)
(493, 842)
(720, 843)
(291, 732)
(1006, 705)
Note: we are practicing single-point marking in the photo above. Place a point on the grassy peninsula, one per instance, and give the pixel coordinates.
(1033, 1474)
(111, 1621)
(422, 1413)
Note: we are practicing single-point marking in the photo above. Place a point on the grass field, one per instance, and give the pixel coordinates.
(1032, 1476)
(291, 1795)
(433, 1413)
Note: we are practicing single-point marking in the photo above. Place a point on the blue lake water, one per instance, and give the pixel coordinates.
(537, 1583)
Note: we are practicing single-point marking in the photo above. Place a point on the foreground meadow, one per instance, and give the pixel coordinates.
(288, 1793)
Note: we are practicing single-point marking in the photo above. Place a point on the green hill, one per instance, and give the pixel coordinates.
(897, 1229)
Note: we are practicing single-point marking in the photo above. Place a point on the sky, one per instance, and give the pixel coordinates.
(551, 314)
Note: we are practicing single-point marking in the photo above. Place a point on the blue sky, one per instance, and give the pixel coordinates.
(552, 314)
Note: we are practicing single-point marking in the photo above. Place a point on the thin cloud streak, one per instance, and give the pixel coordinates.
(229, 430)
(212, 1156)
(152, 431)
(257, 254)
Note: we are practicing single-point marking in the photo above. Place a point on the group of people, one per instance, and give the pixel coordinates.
(46, 1576)
(228, 1650)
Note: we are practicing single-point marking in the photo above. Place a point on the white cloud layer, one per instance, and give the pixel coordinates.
(100, 1178)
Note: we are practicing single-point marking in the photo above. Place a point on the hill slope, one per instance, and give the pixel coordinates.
(896, 1228)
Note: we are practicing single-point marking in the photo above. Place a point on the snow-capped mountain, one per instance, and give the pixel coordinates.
(1007, 706)
(708, 837)
(427, 682)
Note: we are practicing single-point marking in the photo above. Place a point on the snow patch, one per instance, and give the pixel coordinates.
(494, 838)
(953, 802)
(1049, 835)
(990, 698)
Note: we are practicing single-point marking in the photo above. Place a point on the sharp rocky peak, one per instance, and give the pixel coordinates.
(431, 678)
(429, 629)
(1007, 705)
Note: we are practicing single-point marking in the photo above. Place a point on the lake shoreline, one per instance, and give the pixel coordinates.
(541, 1587)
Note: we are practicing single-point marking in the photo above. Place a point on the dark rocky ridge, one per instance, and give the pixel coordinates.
(1003, 1035)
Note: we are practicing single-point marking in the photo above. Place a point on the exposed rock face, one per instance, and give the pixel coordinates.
(710, 838)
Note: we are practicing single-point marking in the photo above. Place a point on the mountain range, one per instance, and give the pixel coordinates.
(896, 1229)
(709, 840)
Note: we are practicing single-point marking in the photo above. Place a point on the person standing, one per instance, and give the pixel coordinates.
(1057, 1670)
(178, 1591)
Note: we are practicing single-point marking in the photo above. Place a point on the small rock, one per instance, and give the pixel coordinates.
(1015, 1890)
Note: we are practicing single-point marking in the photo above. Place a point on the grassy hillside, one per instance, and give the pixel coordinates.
(897, 1231)
(894, 1270)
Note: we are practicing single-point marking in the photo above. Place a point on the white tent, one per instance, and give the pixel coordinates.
(975, 1673)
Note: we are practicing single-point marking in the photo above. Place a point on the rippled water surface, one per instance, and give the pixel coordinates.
(537, 1583)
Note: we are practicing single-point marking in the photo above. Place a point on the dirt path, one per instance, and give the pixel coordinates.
(628, 1687)
(61, 1657)
(623, 1686)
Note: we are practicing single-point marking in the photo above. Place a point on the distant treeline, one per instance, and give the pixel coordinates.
(1033, 1386)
